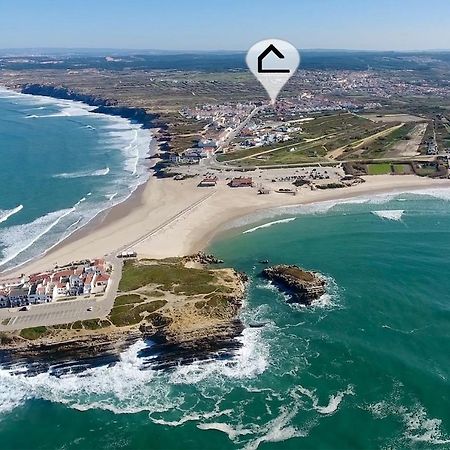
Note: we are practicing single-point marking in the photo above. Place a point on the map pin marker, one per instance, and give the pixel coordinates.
(273, 62)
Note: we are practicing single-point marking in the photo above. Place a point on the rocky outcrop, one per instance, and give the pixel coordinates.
(65, 94)
(203, 258)
(220, 342)
(302, 286)
(76, 352)
(190, 323)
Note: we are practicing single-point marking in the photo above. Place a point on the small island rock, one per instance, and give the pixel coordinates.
(303, 286)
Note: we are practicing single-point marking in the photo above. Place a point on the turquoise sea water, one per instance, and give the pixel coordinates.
(366, 367)
(60, 165)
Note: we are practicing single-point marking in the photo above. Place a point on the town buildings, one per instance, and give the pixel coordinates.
(76, 279)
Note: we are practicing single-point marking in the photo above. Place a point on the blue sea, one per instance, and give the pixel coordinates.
(366, 367)
(60, 165)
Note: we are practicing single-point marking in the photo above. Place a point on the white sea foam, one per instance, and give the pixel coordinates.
(82, 174)
(6, 214)
(111, 197)
(333, 402)
(390, 214)
(418, 427)
(323, 207)
(18, 238)
(331, 296)
(276, 430)
(68, 108)
(231, 432)
(128, 386)
(269, 224)
(280, 428)
(250, 360)
(127, 137)
(440, 193)
(191, 417)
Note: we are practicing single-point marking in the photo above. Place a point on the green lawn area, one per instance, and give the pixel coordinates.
(169, 277)
(379, 169)
(324, 133)
(128, 299)
(33, 333)
(125, 315)
(381, 145)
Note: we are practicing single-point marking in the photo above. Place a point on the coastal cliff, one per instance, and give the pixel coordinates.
(103, 106)
(301, 285)
(188, 312)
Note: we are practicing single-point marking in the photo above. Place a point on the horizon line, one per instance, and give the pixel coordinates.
(131, 49)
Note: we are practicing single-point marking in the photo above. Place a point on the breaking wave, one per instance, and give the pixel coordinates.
(6, 214)
(269, 224)
(323, 207)
(95, 173)
(18, 238)
(130, 385)
(390, 214)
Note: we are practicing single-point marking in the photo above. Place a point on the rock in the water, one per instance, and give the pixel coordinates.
(303, 286)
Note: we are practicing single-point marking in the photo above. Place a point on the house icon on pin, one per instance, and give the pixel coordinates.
(269, 49)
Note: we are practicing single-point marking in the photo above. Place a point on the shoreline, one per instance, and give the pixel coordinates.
(95, 221)
(101, 105)
(167, 218)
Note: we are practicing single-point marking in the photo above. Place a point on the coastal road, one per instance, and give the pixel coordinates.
(238, 129)
(65, 311)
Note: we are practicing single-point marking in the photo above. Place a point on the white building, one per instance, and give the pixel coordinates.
(99, 284)
(60, 290)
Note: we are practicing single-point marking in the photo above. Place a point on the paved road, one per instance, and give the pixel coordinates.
(61, 312)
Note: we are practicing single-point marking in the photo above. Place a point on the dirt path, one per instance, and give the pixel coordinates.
(409, 147)
(367, 140)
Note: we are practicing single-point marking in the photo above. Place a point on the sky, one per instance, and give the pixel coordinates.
(225, 24)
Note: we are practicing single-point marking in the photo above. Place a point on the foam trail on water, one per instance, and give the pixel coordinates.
(418, 426)
(6, 214)
(269, 224)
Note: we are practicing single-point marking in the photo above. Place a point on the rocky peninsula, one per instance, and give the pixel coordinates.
(188, 310)
(301, 285)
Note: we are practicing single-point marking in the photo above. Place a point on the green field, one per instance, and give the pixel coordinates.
(381, 145)
(379, 169)
(318, 137)
(169, 277)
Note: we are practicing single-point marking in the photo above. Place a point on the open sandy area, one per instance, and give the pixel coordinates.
(173, 218)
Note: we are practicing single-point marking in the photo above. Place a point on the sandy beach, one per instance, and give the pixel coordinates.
(173, 218)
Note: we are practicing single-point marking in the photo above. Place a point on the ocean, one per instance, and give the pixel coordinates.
(61, 164)
(365, 367)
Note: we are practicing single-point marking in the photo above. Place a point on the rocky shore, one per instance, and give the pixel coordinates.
(192, 317)
(301, 285)
(104, 106)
